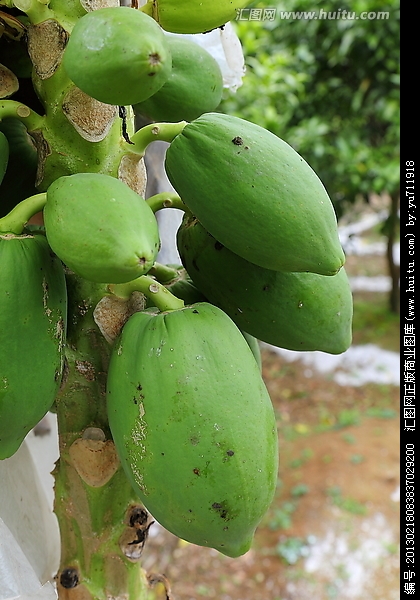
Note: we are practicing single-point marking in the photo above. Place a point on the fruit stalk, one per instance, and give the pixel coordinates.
(160, 296)
(15, 221)
(94, 503)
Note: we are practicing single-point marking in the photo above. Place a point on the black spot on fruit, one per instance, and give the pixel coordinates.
(223, 513)
(196, 471)
(218, 246)
(238, 141)
(230, 453)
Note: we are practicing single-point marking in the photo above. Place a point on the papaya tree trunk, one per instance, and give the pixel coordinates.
(102, 524)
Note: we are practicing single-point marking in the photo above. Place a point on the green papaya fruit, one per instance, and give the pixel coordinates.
(33, 317)
(255, 195)
(4, 155)
(197, 16)
(195, 85)
(19, 180)
(297, 311)
(254, 345)
(100, 228)
(117, 55)
(184, 288)
(193, 425)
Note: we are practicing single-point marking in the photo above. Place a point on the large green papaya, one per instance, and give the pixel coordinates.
(297, 311)
(193, 424)
(255, 195)
(4, 155)
(194, 87)
(33, 316)
(117, 55)
(197, 16)
(100, 228)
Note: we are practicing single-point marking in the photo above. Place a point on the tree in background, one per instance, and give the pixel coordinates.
(329, 86)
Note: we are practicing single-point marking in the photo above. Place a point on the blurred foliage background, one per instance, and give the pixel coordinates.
(330, 88)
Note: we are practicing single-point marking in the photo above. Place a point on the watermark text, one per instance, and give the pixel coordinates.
(270, 14)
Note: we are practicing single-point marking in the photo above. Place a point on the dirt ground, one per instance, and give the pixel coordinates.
(332, 531)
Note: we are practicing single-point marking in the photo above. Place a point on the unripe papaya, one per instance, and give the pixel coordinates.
(193, 425)
(255, 195)
(4, 155)
(100, 228)
(297, 311)
(198, 16)
(195, 85)
(117, 55)
(33, 316)
(184, 288)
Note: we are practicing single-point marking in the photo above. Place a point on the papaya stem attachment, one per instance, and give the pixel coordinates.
(18, 110)
(164, 273)
(155, 132)
(152, 289)
(166, 200)
(16, 219)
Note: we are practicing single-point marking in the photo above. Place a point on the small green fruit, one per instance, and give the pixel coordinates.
(100, 228)
(194, 87)
(117, 55)
(193, 16)
(297, 311)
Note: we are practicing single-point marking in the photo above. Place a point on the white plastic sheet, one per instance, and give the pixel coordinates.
(29, 539)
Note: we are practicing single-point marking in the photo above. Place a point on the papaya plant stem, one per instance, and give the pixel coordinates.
(164, 273)
(37, 10)
(152, 289)
(165, 200)
(16, 219)
(94, 500)
(18, 110)
(155, 132)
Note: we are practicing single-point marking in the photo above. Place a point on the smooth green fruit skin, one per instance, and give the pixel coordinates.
(194, 87)
(296, 311)
(117, 55)
(4, 155)
(184, 288)
(255, 195)
(33, 317)
(199, 16)
(100, 228)
(193, 425)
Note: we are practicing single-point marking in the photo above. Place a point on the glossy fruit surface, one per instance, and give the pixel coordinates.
(194, 16)
(194, 87)
(297, 311)
(100, 228)
(193, 425)
(255, 195)
(117, 55)
(33, 315)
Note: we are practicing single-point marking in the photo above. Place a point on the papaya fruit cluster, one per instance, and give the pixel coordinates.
(188, 410)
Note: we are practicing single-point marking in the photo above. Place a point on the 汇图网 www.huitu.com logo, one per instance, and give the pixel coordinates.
(270, 14)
